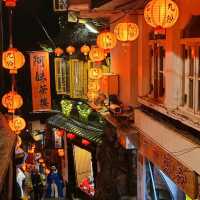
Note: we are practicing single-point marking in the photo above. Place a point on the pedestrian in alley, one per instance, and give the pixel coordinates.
(37, 184)
(55, 184)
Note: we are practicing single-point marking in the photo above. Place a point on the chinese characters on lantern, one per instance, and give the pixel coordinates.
(40, 80)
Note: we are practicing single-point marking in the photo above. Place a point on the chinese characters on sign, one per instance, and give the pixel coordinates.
(40, 80)
(180, 174)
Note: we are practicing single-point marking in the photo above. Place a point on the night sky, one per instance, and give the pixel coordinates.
(27, 32)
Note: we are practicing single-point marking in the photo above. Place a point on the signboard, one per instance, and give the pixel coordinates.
(179, 173)
(40, 81)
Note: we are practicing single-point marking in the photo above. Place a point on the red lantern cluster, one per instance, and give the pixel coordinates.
(71, 136)
(85, 142)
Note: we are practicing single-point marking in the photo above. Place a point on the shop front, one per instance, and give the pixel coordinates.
(80, 141)
(162, 171)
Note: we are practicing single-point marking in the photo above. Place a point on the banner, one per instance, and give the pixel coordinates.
(78, 78)
(40, 81)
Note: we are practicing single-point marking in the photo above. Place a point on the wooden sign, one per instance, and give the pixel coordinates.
(40, 80)
(179, 173)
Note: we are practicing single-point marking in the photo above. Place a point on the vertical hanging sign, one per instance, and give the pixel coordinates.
(60, 75)
(40, 80)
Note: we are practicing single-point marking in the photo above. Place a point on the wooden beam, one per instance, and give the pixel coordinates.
(99, 14)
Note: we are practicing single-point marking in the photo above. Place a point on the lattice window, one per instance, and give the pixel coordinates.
(60, 5)
(157, 78)
(192, 77)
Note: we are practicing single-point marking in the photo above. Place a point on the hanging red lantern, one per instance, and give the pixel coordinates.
(71, 136)
(10, 3)
(17, 124)
(13, 60)
(61, 152)
(85, 50)
(58, 51)
(106, 40)
(96, 54)
(161, 13)
(85, 142)
(126, 31)
(60, 133)
(70, 50)
(12, 101)
(95, 73)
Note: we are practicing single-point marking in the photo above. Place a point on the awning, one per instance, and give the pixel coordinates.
(7, 144)
(86, 131)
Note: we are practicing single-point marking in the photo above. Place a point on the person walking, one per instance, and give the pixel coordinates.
(55, 184)
(37, 184)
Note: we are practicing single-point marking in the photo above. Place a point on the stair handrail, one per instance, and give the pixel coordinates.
(153, 181)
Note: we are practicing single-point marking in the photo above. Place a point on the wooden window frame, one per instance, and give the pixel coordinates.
(155, 72)
(193, 45)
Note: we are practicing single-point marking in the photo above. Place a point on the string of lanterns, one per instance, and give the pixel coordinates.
(12, 59)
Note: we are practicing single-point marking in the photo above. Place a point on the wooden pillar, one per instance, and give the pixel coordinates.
(65, 162)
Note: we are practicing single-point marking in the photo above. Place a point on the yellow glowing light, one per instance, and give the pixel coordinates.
(161, 13)
(126, 31)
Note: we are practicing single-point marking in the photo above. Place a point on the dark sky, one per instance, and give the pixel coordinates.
(27, 32)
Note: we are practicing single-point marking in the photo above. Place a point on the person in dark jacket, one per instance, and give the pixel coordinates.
(37, 184)
(55, 184)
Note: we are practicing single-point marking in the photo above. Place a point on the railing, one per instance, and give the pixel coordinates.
(152, 181)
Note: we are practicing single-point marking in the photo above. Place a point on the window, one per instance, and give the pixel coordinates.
(60, 5)
(157, 78)
(192, 77)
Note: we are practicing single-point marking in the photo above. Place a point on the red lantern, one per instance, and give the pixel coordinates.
(85, 142)
(12, 101)
(96, 54)
(85, 50)
(70, 50)
(10, 3)
(126, 31)
(17, 124)
(60, 133)
(161, 13)
(13, 60)
(58, 51)
(71, 136)
(106, 40)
